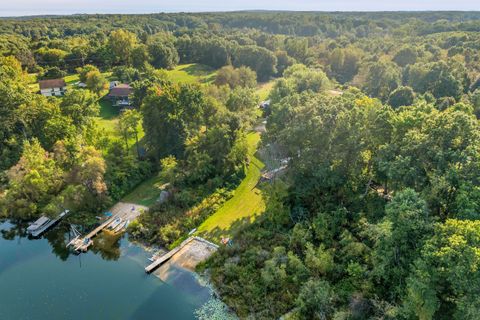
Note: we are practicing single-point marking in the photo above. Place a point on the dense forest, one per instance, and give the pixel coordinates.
(374, 114)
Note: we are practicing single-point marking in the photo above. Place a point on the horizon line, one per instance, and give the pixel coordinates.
(239, 11)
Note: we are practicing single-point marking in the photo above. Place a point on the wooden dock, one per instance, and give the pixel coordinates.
(122, 210)
(154, 265)
(172, 252)
(82, 244)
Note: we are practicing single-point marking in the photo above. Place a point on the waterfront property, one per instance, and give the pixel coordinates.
(52, 87)
(122, 214)
(40, 279)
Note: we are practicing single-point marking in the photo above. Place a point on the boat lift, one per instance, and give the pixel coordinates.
(76, 234)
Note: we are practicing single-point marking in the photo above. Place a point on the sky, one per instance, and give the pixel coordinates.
(38, 7)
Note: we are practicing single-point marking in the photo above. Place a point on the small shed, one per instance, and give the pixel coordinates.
(52, 87)
(120, 95)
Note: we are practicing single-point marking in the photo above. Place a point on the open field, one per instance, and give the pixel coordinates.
(191, 73)
(71, 79)
(107, 110)
(108, 117)
(246, 203)
(108, 121)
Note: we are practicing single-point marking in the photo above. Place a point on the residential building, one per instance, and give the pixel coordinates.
(120, 95)
(52, 87)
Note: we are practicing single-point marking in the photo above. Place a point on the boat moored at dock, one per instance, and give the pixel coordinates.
(37, 228)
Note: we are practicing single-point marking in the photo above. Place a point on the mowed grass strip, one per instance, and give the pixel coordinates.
(263, 89)
(246, 203)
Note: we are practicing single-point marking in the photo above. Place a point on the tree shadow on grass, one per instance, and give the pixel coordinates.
(205, 73)
(198, 70)
(107, 110)
(237, 226)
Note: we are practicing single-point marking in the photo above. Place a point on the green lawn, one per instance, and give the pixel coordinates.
(146, 193)
(71, 79)
(263, 89)
(246, 203)
(108, 121)
(108, 118)
(191, 73)
(107, 110)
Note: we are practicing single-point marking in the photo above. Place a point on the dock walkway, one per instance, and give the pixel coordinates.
(82, 244)
(151, 267)
(124, 211)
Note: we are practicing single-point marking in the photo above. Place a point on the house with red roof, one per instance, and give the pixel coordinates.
(120, 95)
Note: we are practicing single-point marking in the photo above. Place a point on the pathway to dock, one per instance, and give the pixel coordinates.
(122, 210)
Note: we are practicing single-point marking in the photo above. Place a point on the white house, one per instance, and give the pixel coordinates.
(53, 87)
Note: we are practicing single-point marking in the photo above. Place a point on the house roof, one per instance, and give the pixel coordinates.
(122, 90)
(52, 83)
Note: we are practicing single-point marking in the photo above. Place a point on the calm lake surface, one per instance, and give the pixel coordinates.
(40, 279)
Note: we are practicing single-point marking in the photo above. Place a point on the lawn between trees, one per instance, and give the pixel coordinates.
(246, 203)
(147, 192)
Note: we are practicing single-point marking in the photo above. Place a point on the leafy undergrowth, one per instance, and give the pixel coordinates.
(246, 203)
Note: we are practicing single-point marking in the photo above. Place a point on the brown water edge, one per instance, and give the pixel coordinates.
(192, 252)
(179, 271)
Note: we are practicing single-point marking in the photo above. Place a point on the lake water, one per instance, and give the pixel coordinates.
(40, 279)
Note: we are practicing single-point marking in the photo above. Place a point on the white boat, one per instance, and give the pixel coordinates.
(115, 223)
(124, 226)
(120, 226)
(43, 223)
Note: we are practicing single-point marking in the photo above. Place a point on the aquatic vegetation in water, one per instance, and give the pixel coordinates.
(214, 309)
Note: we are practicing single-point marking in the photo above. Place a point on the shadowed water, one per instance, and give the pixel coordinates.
(40, 279)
